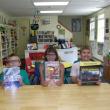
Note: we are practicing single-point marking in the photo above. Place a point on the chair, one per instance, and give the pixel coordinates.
(67, 77)
(30, 70)
(35, 78)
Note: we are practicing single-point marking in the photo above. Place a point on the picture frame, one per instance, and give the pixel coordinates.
(76, 24)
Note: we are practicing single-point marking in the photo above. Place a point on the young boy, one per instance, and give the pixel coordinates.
(85, 55)
(14, 61)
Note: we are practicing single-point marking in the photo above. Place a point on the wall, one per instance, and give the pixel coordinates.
(78, 37)
(23, 35)
(106, 45)
(68, 35)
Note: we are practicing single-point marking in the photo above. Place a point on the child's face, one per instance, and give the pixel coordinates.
(14, 61)
(51, 56)
(86, 55)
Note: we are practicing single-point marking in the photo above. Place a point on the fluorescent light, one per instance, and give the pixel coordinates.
(58, 11)
(50, 3)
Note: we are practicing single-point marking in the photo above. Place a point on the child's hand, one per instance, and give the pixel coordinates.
(98, 83)
(79, 82)
(58, 83)
(45, 83)
(21, 82)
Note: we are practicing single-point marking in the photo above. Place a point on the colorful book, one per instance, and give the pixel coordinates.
(52, 72)
(11, 77)
(90, 73)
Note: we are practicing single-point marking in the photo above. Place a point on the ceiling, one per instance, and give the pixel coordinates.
(75, 7)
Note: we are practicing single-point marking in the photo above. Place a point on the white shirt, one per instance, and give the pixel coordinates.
(75, 70)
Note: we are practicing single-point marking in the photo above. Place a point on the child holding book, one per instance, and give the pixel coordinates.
(13, 62)
(51, 69)
(85, 55)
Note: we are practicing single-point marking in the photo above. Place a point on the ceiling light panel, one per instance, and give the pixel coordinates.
(56, 11)
(50, 3)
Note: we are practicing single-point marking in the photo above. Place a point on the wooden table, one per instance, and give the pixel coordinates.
(66, 97)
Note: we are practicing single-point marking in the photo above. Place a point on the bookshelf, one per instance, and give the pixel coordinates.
(8, 41)
(106, 69)
(13, 40)
(42, 38)
(45, 36)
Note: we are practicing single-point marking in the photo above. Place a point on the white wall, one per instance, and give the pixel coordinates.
(68, 35)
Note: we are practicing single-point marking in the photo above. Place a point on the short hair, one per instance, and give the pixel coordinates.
(51, 49)
(85, 48)
(12, 55)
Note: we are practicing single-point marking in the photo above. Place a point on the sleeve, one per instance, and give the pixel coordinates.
(24, 76)
(1, 78)
(75, 69)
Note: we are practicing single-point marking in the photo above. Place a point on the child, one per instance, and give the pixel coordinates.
(85, 55)
(51, 56)
(14, 61)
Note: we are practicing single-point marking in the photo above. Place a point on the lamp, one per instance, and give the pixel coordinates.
(35, 25)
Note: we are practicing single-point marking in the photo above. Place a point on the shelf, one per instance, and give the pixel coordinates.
(8, 40)
(45, 36)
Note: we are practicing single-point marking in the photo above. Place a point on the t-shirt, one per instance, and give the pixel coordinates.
(24, 76)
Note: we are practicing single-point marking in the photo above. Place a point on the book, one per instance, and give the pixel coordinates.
(90, 63)
(90, 72)
(32, 46)
(52, 72)
(11, 77)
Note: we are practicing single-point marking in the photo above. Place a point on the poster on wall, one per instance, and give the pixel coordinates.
(93, 45)
(76, 24)
(100, 49)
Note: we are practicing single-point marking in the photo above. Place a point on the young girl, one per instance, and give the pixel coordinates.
(51, 55)
(85, 55)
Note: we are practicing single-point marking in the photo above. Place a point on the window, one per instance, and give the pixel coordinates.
(92, 29)
(100, 28)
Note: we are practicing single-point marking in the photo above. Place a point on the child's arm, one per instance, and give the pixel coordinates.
(24, 75)
(43, 82)
(75, 72)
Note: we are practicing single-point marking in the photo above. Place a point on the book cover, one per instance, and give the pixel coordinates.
(90, 72)
(11, 77)
(52, 72)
